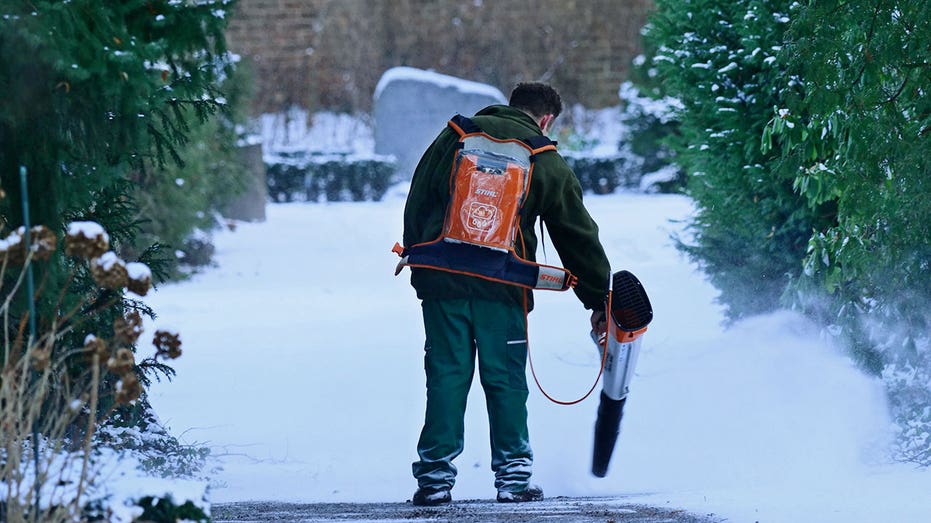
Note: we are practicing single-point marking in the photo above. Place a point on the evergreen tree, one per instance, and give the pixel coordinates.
(721, 60)
(178, 204)
(805, 131)
(96, 92)
(99, 87)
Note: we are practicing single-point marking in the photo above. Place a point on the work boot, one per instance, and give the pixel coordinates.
(531, 493)
(431, 496)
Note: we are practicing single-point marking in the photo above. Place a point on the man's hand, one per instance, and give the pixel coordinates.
(599, 325)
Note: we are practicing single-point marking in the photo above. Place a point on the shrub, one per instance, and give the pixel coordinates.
(165, 509)
(108, 94)
(313, 177)
(103, 90)
(603, 174)
(651, 124)
(54, 393)
(858, 126)
(806, 146)
(721, 62)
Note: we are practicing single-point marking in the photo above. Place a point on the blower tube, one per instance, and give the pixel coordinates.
(629, 317)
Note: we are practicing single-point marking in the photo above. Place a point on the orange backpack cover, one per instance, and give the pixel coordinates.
(488, 185)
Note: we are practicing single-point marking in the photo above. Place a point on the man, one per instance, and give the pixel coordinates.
(467, 315)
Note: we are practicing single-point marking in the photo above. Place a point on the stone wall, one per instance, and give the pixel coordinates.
(329, 54)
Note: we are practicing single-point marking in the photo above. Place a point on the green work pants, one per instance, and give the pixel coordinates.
(457, 330)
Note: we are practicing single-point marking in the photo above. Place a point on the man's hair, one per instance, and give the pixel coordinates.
(536, 98)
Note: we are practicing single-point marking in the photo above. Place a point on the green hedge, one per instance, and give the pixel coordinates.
(339, 177)
(603, 174)
(315, 177)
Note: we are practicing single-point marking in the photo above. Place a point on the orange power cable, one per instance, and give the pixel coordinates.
(604, 357)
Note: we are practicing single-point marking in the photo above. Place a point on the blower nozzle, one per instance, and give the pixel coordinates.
(607, 429)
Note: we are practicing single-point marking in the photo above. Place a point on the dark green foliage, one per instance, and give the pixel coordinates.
(99, 95)
(652, 120)
(720, 60)
(805, 131)
(99, 87)
(333, 177)
(285, 181)
(651, 125)
(103, 91)
(859, 126)
(164, 510)
(860, 130)
(648, 137)
(175, 201)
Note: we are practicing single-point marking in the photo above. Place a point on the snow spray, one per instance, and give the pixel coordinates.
(629, 314)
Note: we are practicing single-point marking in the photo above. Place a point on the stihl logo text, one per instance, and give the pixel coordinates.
(486, 192)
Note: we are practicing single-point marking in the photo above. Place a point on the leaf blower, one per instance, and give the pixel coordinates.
(628, 312)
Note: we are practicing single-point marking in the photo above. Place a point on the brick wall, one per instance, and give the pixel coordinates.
(330, 53)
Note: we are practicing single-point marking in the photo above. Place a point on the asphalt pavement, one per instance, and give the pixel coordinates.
(560, 509)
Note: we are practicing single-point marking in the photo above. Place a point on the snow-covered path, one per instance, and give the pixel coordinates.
(302, 369)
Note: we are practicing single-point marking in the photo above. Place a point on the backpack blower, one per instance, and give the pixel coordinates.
(628, 312)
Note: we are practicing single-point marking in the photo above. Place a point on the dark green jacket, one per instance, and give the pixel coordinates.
(555, 196)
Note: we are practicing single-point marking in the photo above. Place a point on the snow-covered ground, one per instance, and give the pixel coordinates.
(303, 370)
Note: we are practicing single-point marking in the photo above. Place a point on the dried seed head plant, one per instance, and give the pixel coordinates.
(95, 346)
(140, 278)
(109, 271)
(121, 362)
(13, 247)
(167, 344)
(128, 328)
(128, 389)
(53, 396)
(86, 240)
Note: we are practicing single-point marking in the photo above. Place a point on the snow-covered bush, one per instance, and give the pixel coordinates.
(857, 125)
(908, 381)
(55, 395)
(651, 123)
(328, 156)
(804, 130)
(323, 156)
(297, 130)
(598, 144)
(720, 62)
